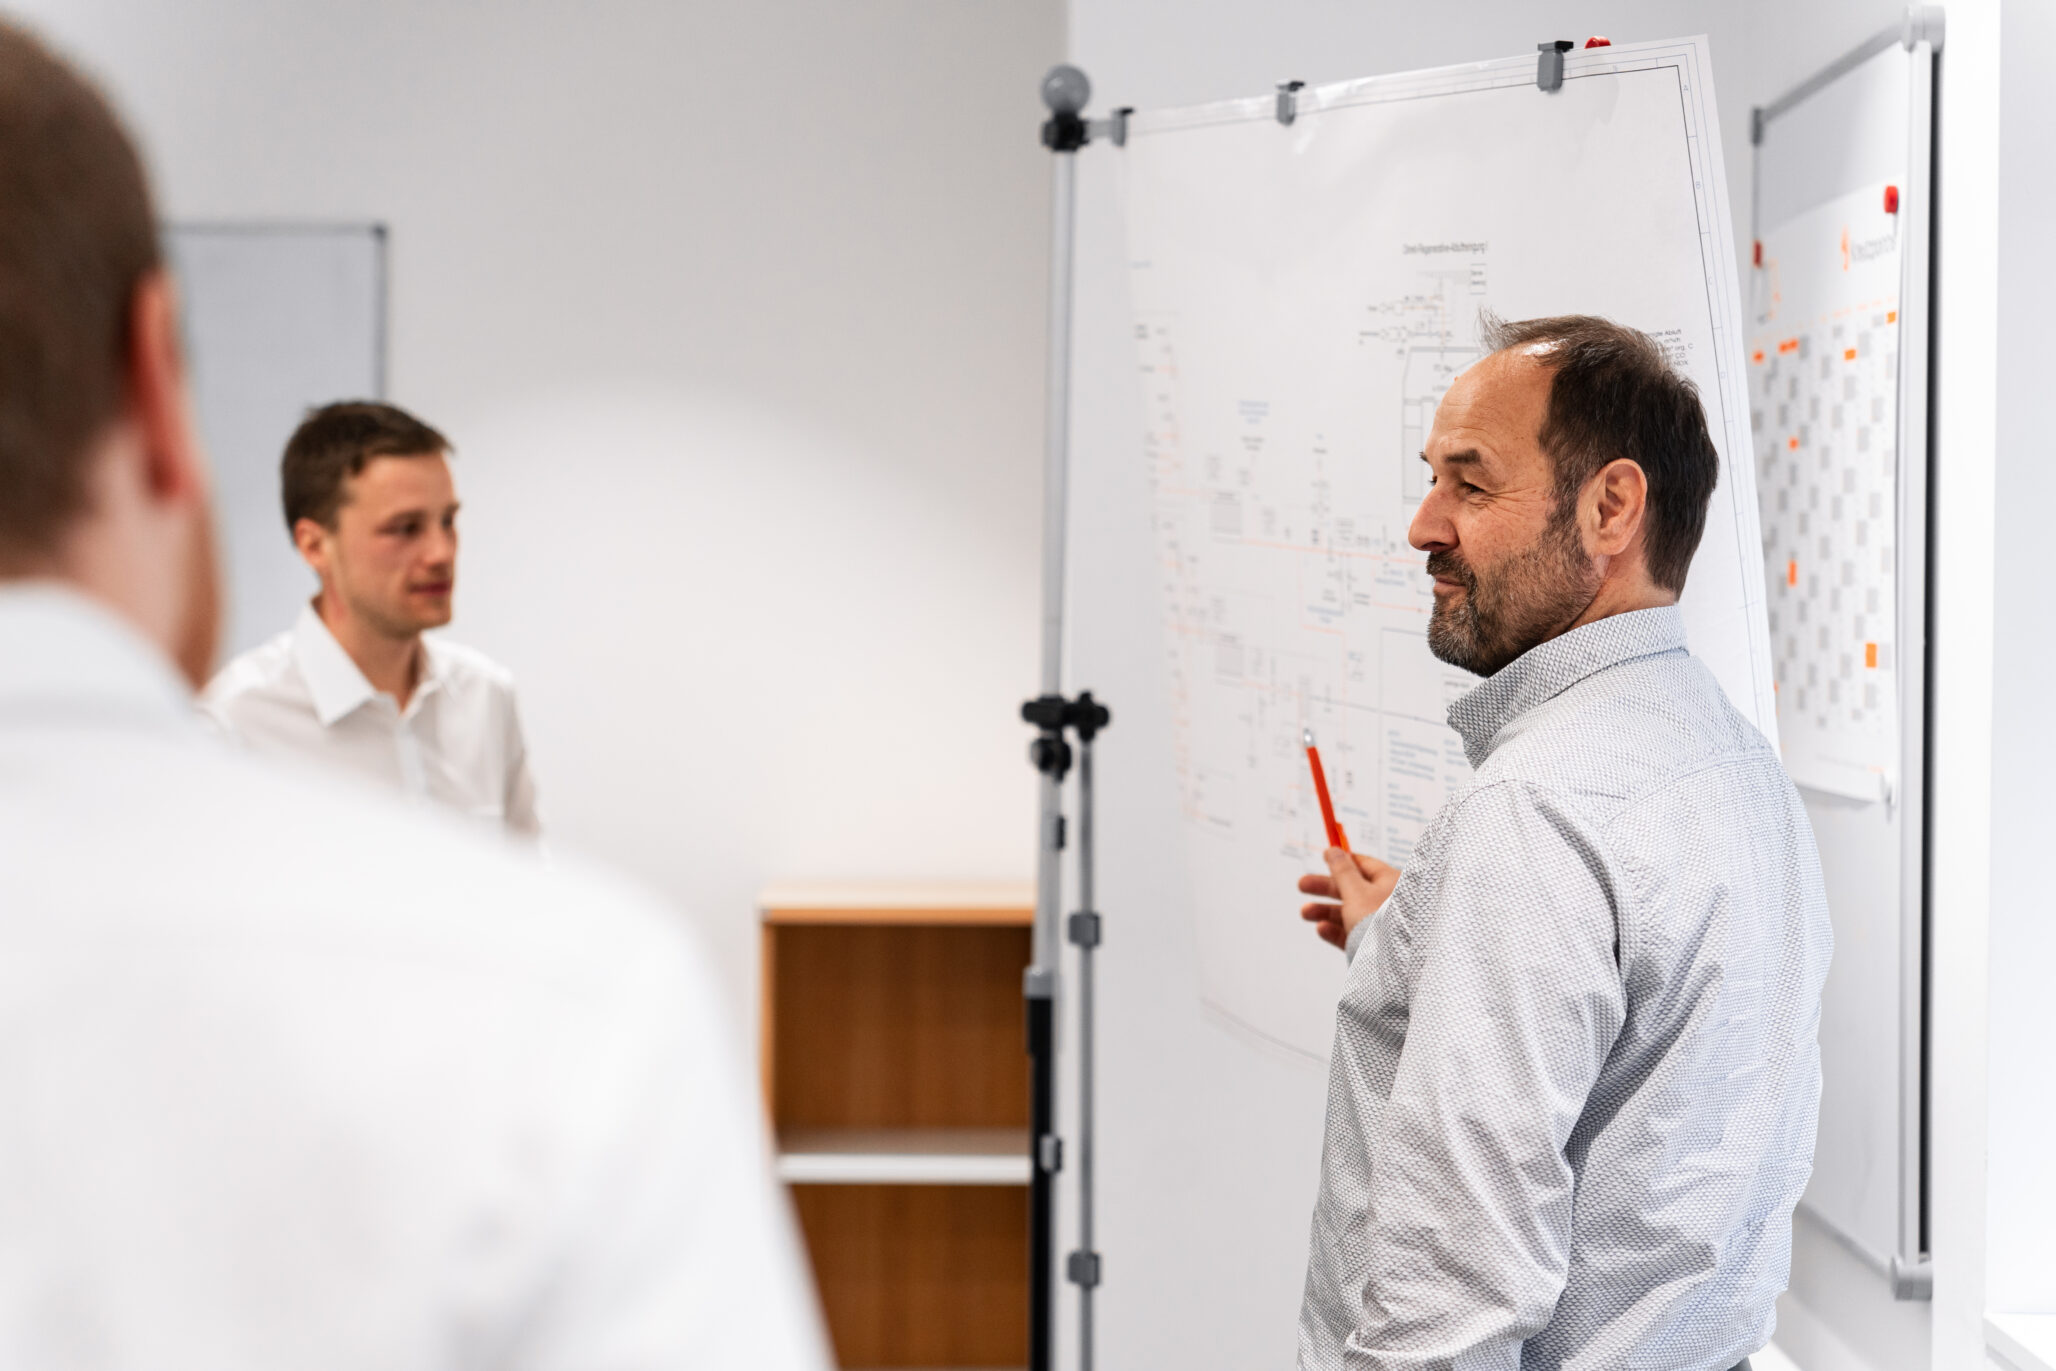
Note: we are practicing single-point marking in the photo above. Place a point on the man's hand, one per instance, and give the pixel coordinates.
(1360, 883)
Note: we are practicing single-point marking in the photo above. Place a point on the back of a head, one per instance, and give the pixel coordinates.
(76, 235)
(1613, 394)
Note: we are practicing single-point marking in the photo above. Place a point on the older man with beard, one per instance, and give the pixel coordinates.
(1575, 1076)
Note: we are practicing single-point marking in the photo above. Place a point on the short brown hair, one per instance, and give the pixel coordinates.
(334, 442)
(77, 236)
(1614, 394)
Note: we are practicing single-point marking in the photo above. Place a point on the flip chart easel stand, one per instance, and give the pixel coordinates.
(1065, 91)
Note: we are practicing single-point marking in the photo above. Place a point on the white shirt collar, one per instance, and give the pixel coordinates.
(60, 645)
(334, 680)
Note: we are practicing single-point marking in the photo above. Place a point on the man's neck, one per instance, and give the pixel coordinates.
(392, 665)
(1625, 586)
(1615, 599)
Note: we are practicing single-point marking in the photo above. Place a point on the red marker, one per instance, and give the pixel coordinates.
(1336, 837)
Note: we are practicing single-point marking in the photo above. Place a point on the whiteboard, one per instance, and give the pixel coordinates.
(1842, 441)
(1303, 296)
(278, 318)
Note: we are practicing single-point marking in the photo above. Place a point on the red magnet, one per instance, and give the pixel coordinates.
(1891, 199)
(1759, 252)
(1598, 42)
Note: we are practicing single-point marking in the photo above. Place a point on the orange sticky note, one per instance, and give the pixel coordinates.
(1849, 355)
(1892, 317)
(1793, 442)
(1791, 573)
(1870, 655)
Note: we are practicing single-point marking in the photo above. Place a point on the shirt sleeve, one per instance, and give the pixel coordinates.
(680, 1252)
(215, 724)
(519, 807)
(1517, 1000)
(211, 707)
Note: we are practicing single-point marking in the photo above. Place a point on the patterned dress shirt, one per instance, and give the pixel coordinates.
(1575, 1076)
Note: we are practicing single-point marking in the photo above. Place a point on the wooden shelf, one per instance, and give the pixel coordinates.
(904, 1156)
(895, 1022)
(896, 1076)
(966, 905)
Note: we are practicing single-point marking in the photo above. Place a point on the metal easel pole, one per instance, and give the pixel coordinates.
(1083, 1265)
(1065, 91)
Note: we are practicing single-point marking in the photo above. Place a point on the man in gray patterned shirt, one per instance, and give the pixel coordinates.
(1575, 1075)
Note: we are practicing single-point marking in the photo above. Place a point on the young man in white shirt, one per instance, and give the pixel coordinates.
(293, 1079)
(355, 685)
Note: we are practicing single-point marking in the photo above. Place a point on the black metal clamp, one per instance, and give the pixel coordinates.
(1052, 714)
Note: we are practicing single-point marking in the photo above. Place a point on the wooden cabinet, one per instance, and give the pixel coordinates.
(896, 1074)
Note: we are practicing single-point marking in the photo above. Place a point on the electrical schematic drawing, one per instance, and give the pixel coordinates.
(1293, 597)
(1302, 301)
(1434, 331)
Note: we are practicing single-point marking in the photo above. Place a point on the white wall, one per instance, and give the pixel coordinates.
(2022, 1184)
(735, 313)
(1967, 263)
(1210, 1149)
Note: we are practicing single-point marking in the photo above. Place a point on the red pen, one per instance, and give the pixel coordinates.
(1336, 837)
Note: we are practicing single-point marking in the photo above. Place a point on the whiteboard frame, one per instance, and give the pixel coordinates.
(382, 259)
(255, 566)
(1910, 1269)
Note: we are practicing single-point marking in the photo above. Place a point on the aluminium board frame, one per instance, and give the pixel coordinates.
(1910, 1269)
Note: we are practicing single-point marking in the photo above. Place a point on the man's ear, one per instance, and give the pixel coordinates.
(162, 410)
(311, 540)
(1616, 500)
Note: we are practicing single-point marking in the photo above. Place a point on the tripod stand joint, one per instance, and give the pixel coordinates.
(1053, 714)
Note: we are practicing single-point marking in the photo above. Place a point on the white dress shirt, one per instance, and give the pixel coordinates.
(458, 741)
(293, 1078)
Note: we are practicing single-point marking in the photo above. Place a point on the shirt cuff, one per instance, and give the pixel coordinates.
(1356, 935)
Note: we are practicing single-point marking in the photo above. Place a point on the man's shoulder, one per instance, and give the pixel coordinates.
(302, 870)
(267, 667)
(467, 666)
(1626, 731)
(417, 880)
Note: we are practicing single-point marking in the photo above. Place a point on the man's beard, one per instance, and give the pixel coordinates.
(1526, 601)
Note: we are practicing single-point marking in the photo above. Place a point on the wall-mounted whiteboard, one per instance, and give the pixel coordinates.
(1838, 368)
(278, 318)
(1303, 297)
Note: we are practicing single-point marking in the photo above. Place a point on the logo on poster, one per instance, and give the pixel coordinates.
(1867, 249)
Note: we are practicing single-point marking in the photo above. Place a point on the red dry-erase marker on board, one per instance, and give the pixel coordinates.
(1336, 837)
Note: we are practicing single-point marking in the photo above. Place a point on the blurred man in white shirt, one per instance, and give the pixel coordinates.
(294, 1079)
(355, 685)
